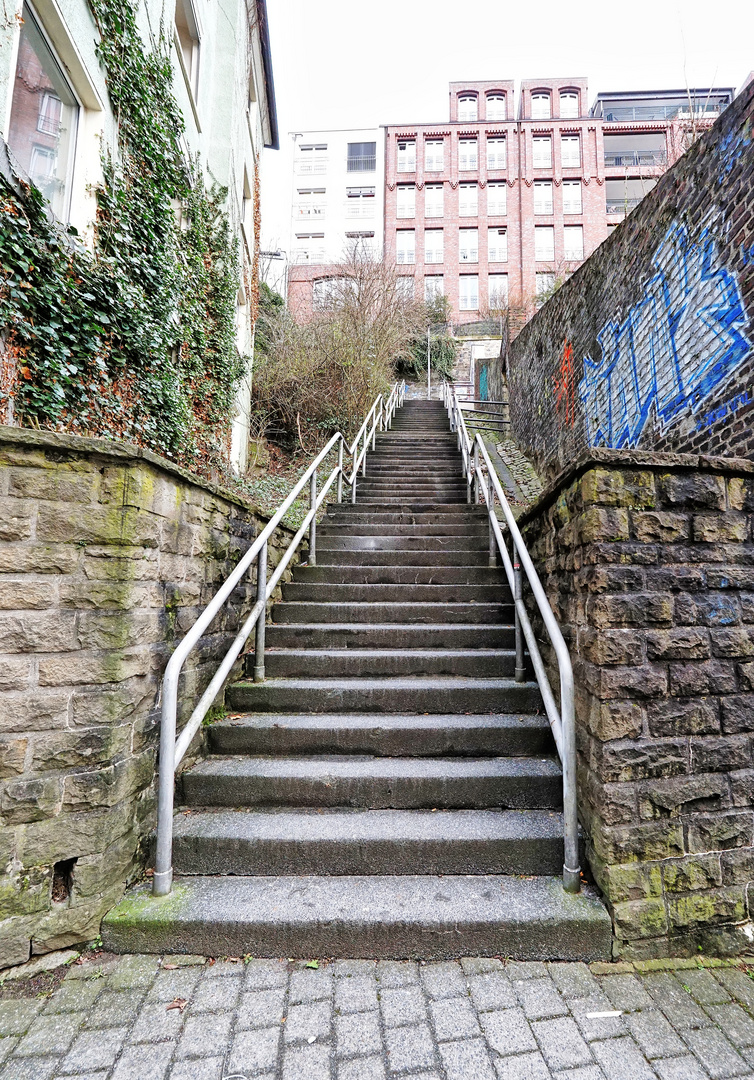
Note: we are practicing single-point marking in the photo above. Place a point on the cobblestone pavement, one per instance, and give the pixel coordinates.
(477, 1019)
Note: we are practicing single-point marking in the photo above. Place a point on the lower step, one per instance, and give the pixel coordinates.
(430, 918)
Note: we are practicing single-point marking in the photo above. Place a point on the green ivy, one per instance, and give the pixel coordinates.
(135, 338)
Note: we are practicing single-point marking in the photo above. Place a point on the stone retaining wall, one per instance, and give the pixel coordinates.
(648, 562)
(107, 555)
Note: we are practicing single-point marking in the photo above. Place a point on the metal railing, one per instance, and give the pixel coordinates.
(483, 486)
(621, 206)
(644, 158)
(172, 750)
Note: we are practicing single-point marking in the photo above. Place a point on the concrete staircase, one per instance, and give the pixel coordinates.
(389, 790)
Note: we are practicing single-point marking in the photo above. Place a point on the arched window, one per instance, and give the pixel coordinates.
(541, 105)
(467, 107)
(496, 107)
(569, 105)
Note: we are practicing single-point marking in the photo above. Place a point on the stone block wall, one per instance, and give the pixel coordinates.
(648, 562)
(107, 556)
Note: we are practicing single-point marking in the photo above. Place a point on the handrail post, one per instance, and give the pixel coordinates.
(571, 868)
(340, 471)
(491, 509)
(313, 526)
(518, 594)
(476, 473)
(364, 454)
(353, 475)
(262, 620)
(163, 867)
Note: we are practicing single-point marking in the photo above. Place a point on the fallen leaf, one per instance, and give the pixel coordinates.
(179, 1004)
(312, 964)
(211, 961)
(169, 967)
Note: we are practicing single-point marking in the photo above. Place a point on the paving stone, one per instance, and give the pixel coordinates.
(50, 1035)
(621, 1059)
(116, 1009)
(204, 1035)
(573, 980)
(409, 1048)
(677, 1004)
(403, 1005)
(17, 1015)
(524, 969)
(595, 1027)
(29, 1069)
(680, 1068)
(363, 1068)
(94, 1050)
(480, 965)
(561, 1043)
(508, 1032)
(74, 996)
(254, 1050)
(492, 991)
(715, 1053)
(224, 969)
(463, 1060)
(345, 968)
(307, 1021)
(626, 992)
(133, 971)
(198, 1069)
(7, 1045)
(738, 984)
(170, 985)
(265, 974)
(397, 973)
(155, 1024)
(356, 993)
(357, 1033)
(539, 998)
(99, 1075)
(522, 1067)
(188, 960)
(737, 1025)
(654, 1034)
(307, 1063)
(139, 1062)
(584, 1072)
(310, 986)
(443, 980)
(216, 995)
(704, 987)
(261, 1008)
(454, 1018)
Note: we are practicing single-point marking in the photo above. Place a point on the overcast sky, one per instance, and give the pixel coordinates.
(360, 63)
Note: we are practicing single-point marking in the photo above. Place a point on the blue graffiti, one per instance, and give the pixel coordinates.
(727, 409)
(747, 255)
(676, 346)
(732, 146)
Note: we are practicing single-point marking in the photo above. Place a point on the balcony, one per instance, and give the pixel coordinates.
(312, 210)
(635, 159)
(311, 165)
(362, 163)
(364, 208)
(621, 206)
(626, 114)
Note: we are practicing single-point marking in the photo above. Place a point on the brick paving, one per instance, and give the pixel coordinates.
(476, 1019)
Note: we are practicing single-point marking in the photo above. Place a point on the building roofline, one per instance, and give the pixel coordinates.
(683, 92)
(264, 37)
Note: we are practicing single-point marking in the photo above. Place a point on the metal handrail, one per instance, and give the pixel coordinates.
(483, 485)
(172, 751)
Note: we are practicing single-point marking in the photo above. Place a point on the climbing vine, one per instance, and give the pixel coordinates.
(135, 338)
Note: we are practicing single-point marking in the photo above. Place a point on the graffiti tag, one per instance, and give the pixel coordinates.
(676, 346)
(730, 408)
(565, 386)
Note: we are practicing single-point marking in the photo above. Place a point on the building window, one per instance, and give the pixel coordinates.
(544, 243)
(569, 105)
(496, 109)
(542, 152)
(544, 288)
(433, 200)
(362, 156)
(467, 155)
(468, 292)
(497, 200)
(468, 245)
(433, 288)
(43, 119)
(572, 197)
(312, 158)
(434, 157)
(497, 245)
(406, 155)
(541, 108)
(497, 291)
(310, 247)
(362, 242)
(360, 202)
(404, 286)
(405, 248)
(311, 203)
(468, 200)
(496, 156)
(187, 32)
(543, 196)
(570, 152)
(433, 246)
(573, 243)
(467, 107)
(406, 205)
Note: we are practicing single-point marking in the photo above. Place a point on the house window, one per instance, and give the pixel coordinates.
(569, 105)
(545, 286)
(311, 203)
(434, 155)
(406, 155)
(405, 248)
(543, 196)
(360, 202)
(433, 200)
(362, 242)
(404, 286)
(496, 156)
(573, 243)
(570, 152)
(497, 291)
(43, 119)
(468, 245)
(544, 243)
(312, 158)
(310, 247)
(406, 205)
(541, 109)
(468, 292)
(433, 246)
(467, 107)
(572, 197)
(468, 200)
(187, 32)
(497, 245)
(433, 288)
(497, 200)
(467, 155)
(362, 156)
(496, 109)
(542, 152)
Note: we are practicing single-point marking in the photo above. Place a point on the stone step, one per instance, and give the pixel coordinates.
(418, 512)
(405, 542)
(470, 529)
(389, 635)
(308, 611)
(383, 735)
(337, 842)
(513, 783)
(323, 592)
(353, 663)
(364, 557)
(447, 517)
(398, 575)
(424, 917)
(419, 694)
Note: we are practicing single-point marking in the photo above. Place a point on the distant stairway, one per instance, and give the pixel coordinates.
(389, 791)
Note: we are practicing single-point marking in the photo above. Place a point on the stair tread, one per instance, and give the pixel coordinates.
(360, 765)
(385, 721)
(400, 682)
